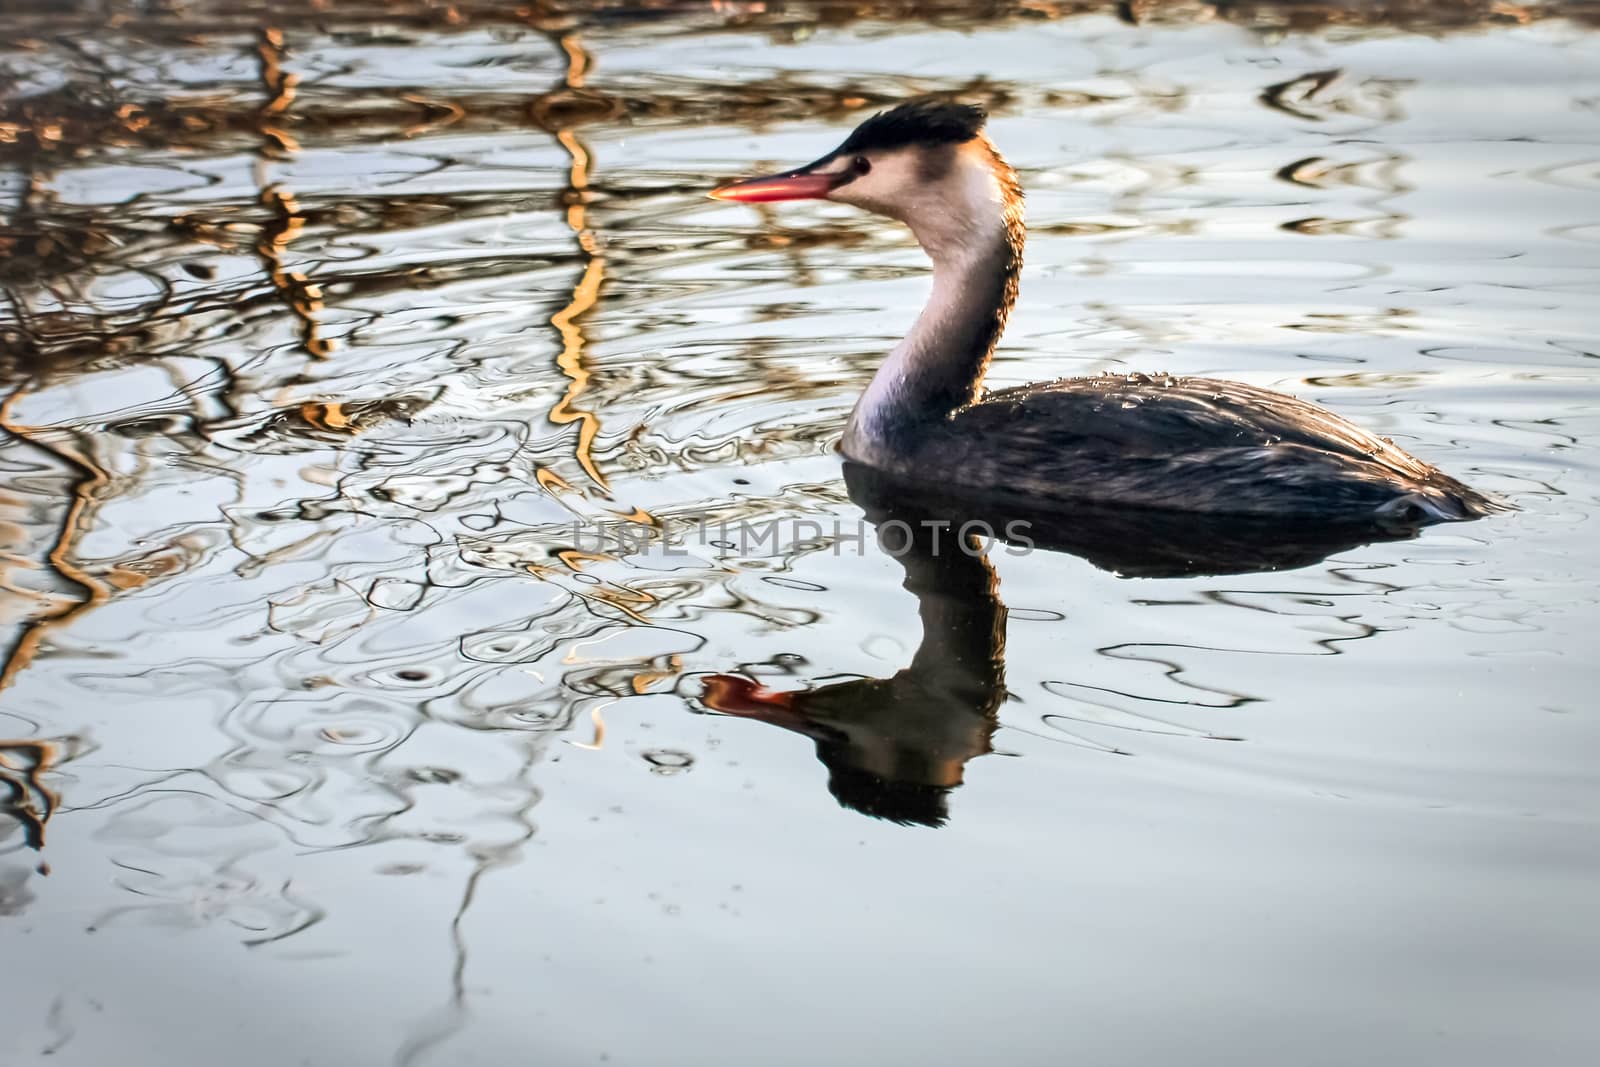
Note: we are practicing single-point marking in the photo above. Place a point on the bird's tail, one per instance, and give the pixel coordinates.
(1445, 501)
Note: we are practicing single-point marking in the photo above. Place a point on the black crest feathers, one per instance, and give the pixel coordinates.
(924, 121)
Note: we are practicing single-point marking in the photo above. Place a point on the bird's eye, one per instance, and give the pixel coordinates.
(861, 164)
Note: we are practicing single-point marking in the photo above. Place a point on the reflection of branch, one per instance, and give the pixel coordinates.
(586, 293)
(60, 556)
(302, 297)
(280, 87)
(571, 363)
(31, 800)
(455, 1015)
(164, 22)
(33, 633)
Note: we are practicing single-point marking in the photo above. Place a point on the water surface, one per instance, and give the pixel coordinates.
(373, 376)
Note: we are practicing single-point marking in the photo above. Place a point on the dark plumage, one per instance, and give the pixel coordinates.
(895, 747)
(1190, 444)
(924, 121)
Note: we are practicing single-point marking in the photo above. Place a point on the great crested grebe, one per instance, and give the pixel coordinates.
(1186, 444)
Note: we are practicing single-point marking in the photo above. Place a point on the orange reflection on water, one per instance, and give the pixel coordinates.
(60, 555)
(587, 292)
(22, 766)
(302, 297)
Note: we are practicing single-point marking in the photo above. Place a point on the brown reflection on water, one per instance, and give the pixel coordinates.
(61, 556)
(301, 296)
(586, 293)
(28, 799)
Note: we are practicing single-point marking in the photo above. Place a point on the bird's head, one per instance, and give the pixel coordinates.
(926, 163)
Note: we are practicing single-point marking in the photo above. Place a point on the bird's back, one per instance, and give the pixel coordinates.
(1194, 444)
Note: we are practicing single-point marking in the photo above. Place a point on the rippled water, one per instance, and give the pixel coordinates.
(378, 377)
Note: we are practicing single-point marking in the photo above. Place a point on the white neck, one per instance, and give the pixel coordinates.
(972, 231)
(941, 360)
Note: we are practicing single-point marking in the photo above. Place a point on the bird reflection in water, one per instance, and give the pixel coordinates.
(895, 747)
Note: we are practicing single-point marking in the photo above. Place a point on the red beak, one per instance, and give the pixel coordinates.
(791, 185)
